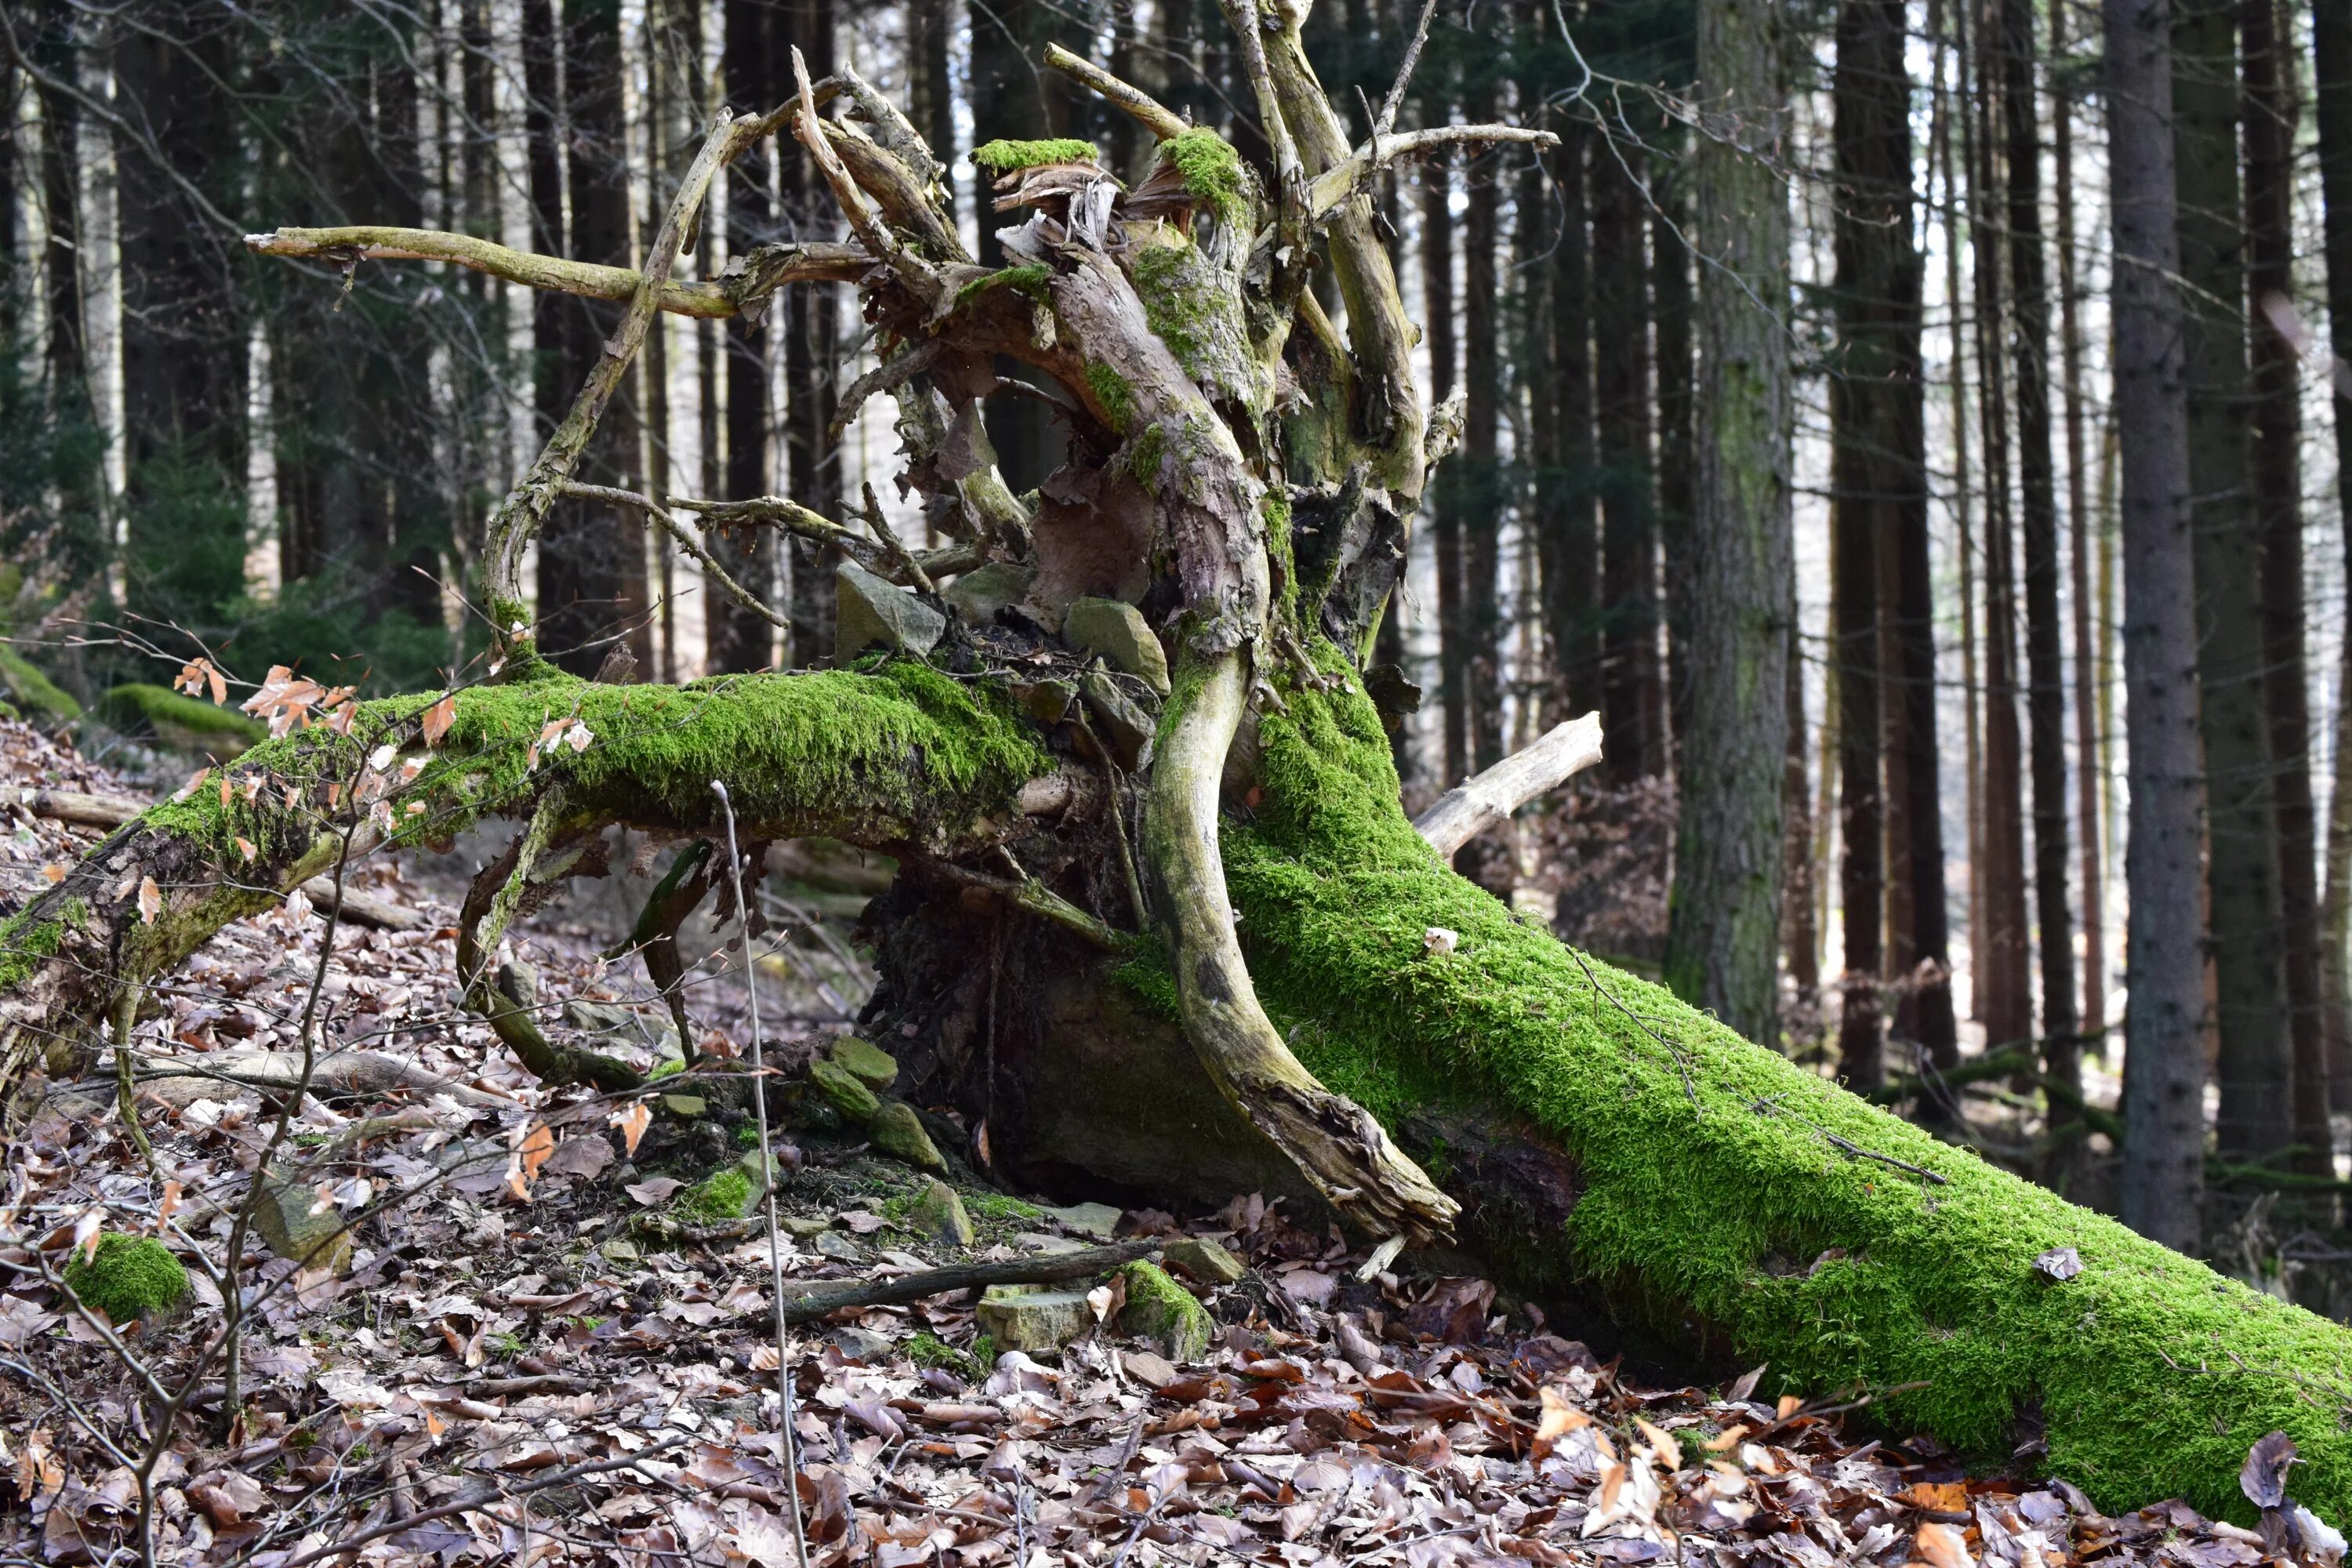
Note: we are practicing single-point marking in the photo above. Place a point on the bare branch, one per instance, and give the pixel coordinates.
(1334, 187)
(1386, 122)
(555, 274)
(912, 270)
(1477, 804)
(1133, 102)
(686, 541)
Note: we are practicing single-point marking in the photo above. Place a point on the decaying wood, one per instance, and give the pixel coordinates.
(1477, 804)
(1040, 1269)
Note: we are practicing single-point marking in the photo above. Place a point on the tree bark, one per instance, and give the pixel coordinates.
(1670, 306)
(2164, 1073)
(812, 329)
(2331, 36)
(2256, 1065)
(1571, 535)
(2045, 700)
(1621, 389)
(738, 638)
(1478, 472)
(2270, 113)
(1445, 532)
(1723, 938)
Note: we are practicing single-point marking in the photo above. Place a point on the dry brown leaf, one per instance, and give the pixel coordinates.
(53, 873)
(1941, 1546)
(1559, 1418)
(151, 901)
(245, 846)
(633, 1123)
(171, 1204)
(438, 718)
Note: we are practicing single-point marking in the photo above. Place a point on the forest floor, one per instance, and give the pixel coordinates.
(537, 1350)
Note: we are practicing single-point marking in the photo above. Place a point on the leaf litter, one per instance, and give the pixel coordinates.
(533, 1357)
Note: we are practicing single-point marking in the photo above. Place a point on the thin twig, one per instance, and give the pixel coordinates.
(654, 509)
(1771, 1106)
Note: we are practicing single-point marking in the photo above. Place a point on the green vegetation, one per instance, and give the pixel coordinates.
(127, 1275)
(1003, 157)
(1000, 1208)
(1713, 1190)
(190, 723)
(1211, 172)
(1160, 1310)
(33, 692)
(1144, 455)
(1029, 279)
(725, 1196)
(1115, 394)
(927, 1349)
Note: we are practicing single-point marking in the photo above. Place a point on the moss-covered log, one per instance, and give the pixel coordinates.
(904, 756)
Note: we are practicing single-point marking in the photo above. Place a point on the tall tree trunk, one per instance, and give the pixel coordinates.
(755, 66)
(1670, 306)
(1571, 565)
(2007, 978)
(813, 473)
(2331, 39)
(2256, 1063)
(1878, 506)
(1801, 937)
(931, 31)
(1620, 358)
(1445, 534)
(1723, 938)
(2088, 815)
(1479, 470)
(2164, 1073)
(2270, 127)
(592, 557)
(2045, 700)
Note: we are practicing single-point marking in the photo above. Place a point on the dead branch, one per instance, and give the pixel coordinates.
(345, 246)
(1477, 804)
(1133, 102)
(1335, 185)
(817, 1300)
(653, 508)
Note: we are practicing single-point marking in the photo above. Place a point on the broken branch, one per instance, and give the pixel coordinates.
(1477, 804)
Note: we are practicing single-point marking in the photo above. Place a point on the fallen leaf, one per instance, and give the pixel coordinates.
(151, 901)
(53, 873)
(1941, 1546)
(633, 1123)
(2264, 1477)
(438, 718)
(653, 1189)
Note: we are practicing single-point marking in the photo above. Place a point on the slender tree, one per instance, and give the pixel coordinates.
(2256, 1067)
(1569, 517)
(1478, 480)
(1723, 937)
(1670, 309)
(2331, 39)
(1447, 500)
(2164, 1077)
(1622, 392)
(752, 59)
(2269, 115)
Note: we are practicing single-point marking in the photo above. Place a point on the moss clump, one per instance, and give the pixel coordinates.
(726, 1196)
(1160, 1309)
(27, 939)
(1275, 509)
(927, 1350)
(1004, 157)
(189, 723)
(1211, 172)
(1144, 455)
(1115, 394)
(1029, 279)
(1000, 1209)
(32, 692)
(1194, 306)
(1726, 1204)
(126, 1277)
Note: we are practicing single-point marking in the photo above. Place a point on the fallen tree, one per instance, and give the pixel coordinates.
(1187, 951)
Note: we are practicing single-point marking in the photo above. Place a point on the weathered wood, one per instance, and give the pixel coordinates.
(1477, 804)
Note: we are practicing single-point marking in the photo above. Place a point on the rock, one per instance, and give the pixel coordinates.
(1031, 1318)
(621, 1252)
(283, 1214)
(864, 1061)
(1098, 1220)
(1125, 728)
(869, 610)
(1160, 1309)
(1047, 701)
(844, 1090)
(687, 1105)
(625, 1027)
(1030, 1241)
(1204, 1260)
(803, 1226)
(980, 593)
(1148, 1368)
(898, 1133)
(840, 1249)
(860, 1345)
(937, 1216)
(1118, 631)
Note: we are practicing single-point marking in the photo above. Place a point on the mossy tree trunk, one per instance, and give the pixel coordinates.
(1282, 1016)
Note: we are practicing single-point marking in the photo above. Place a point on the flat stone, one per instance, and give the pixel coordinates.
(870, 610)
(1124, 727)
(938, 1215)
(618, 1251)
(1118, 631)
(1031, 1241)
(1204, 1260)
(980, 593)
(864, 1060)
(685, 1104)
(898, 1133)
(840, 1249)
(803, 1226)
(1047, 701)
(844, 1091)
(1098, 1220)
(1148, 1368)
(1025, 1318)
(283, 1214)
(860, 1345)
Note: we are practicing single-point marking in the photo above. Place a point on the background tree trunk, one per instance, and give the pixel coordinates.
(741, 639)
(2331, 37)
(2164, 1111)
(1723, 938)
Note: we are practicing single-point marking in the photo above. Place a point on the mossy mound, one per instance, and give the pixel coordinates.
(1160, 1309)
(727, 1194)
(183, 722)
(32, 693)
(126, 1277)
(1714, 1191)
(1211, 172)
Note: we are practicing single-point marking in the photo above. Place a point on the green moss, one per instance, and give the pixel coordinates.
(127, 1275)
(1000, 1208)
(2152, 1373)
(1159, 1308)
(32, 691)
(27, 938)
(1144, 455)
(725, 1196)
(984, 1350)
(138, 709)
(927, 1349)
(1002, 156)
(1211, 172)
(1275, 509)
(1031, 281)
(1113, 391)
